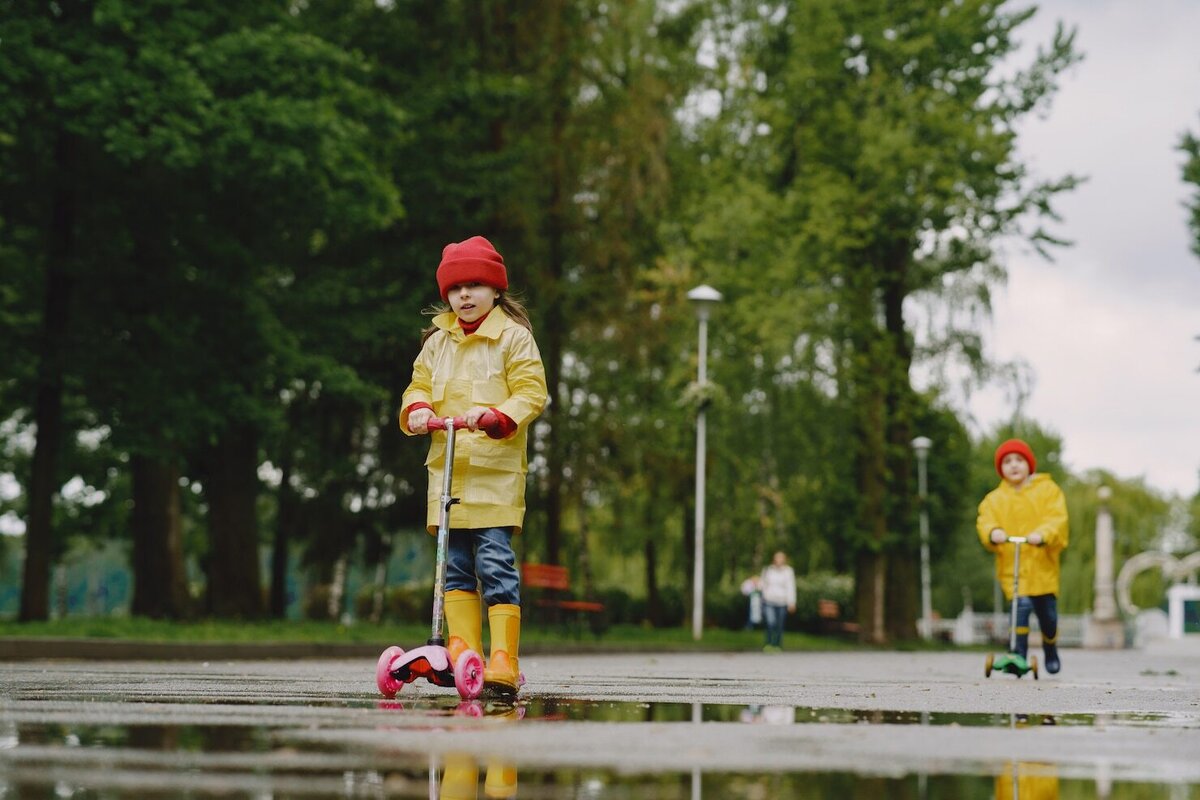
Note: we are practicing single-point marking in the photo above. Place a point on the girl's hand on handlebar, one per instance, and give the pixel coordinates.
(473, 415)
(998, 536)
(418, 421)
(1034, 539)
(485, 421)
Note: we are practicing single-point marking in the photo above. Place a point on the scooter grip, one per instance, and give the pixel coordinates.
(486, 421)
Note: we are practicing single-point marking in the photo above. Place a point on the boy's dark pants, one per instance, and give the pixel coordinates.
(1046, 608)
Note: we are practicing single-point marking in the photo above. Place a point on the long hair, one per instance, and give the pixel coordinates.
(509, 303)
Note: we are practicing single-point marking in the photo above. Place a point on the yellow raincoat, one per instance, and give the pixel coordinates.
(498, 366)
(1038, 507)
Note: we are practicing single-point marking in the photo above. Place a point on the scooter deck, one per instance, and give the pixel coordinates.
(430, 662)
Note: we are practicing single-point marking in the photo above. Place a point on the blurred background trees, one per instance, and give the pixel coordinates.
(220, 227)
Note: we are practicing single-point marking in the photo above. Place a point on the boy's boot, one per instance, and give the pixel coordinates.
(460, 781)
(501, 674)
(501, 781)
(1048, 620)
(464, 618)
(1050, 649)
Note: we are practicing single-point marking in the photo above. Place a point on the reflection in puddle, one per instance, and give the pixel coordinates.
(119, 761)
(163, 738)
(460, 776)
(550, 708)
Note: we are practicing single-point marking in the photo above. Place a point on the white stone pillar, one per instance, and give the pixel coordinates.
(1104, 629)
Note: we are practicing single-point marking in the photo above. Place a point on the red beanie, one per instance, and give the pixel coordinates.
(1020, 448)
(471, 261)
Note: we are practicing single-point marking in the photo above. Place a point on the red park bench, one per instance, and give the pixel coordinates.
(829, 617)
(549, 586)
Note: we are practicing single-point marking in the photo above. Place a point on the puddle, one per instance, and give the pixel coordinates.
(166, 738)
(457, 776)
(120, 761)
(550, 708)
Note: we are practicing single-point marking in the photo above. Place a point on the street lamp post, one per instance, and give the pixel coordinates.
(703, 298)
(922, 444)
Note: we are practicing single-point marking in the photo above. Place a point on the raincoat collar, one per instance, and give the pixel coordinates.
(491, 328)
(1035, 478)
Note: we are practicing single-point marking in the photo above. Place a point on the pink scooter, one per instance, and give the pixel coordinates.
(432, 661)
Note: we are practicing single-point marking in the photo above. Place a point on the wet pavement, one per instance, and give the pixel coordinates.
(864, 724)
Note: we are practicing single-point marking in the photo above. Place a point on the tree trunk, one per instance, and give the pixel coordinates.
(904, 574)
(48, 402)
(159, 578)
(553, 334)
(654, 611)
(869, 360)
(231, 487)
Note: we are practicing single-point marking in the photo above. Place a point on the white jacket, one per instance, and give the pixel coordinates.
(779, 585)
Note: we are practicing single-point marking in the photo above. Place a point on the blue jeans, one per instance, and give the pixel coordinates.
(774, 615)
(1046, 608)
(484, 556)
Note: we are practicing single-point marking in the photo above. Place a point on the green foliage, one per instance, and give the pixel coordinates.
(1190, 145)
(262, 192)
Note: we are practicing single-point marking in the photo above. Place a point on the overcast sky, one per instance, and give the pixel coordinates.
(1109, 328)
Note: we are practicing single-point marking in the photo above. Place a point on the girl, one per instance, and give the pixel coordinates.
(478, 356)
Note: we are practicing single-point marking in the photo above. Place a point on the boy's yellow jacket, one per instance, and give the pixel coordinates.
(1037, 507)
(498, 366)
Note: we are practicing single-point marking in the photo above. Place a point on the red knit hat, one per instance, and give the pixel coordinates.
(471, 261)
(1020, 448)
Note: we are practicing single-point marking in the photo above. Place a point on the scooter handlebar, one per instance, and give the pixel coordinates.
(439, 423)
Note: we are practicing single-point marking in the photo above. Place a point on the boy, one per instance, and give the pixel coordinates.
(1030, 505)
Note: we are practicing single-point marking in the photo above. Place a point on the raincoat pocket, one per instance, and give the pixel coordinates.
(488, 393)
(498, 457)
(490, 487)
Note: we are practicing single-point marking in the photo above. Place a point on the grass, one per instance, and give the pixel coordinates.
(617, 638)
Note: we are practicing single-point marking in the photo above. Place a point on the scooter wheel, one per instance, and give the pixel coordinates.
(1033, 666)
(388, 686)
(468, 675)
(987, 665)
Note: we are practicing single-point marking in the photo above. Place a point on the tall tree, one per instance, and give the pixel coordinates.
(210, 150)
(888, 134)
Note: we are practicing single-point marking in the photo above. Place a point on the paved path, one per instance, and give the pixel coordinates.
(1133, 715)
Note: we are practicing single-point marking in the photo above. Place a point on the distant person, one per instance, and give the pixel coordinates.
(1030, 505)
(779, 599)
(752, 590)
(479, 356)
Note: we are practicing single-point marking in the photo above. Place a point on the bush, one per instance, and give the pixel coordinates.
(316, 602)
(820, 586)
(404, 604)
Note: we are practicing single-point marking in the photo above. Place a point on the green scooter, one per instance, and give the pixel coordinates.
(1013, 662)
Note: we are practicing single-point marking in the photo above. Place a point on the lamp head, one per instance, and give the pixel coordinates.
(703, 298)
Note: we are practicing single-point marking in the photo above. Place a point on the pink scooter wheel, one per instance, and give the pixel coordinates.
(469, 708)
(388, 686)
(468, 675)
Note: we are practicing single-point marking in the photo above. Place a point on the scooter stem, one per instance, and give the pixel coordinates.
(1012, 626)
(443, 539)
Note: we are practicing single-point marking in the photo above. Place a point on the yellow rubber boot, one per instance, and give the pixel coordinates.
(500, 676)
(464, 619)
(460, 781)
(501, 781)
